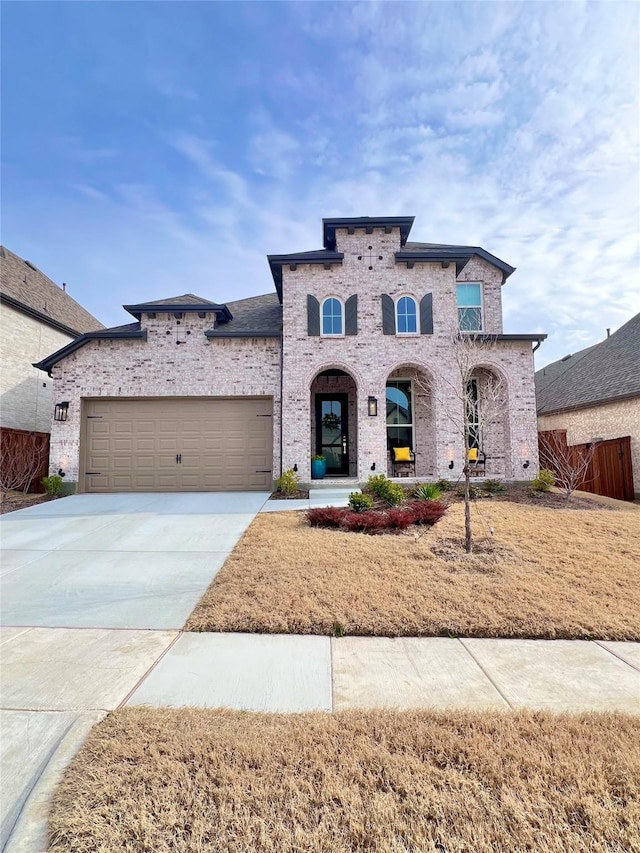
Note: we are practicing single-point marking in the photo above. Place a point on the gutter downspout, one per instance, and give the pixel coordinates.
(537, 345)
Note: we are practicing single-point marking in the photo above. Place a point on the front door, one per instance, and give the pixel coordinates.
(332, 438)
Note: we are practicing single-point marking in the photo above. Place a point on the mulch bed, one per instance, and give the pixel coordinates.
(299, 495)
(11, 503)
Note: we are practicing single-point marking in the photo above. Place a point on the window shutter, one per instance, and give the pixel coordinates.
(426, 314)
(388, 315)
(313, 315)
(351, 315)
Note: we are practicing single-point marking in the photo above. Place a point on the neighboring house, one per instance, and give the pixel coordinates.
(595, 393)
(36, 316)
(196, 395)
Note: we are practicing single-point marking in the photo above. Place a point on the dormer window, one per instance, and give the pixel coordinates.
(332, 317)
(406, 316)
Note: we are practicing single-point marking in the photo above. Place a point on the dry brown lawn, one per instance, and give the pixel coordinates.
(356, 782)
(544, 573)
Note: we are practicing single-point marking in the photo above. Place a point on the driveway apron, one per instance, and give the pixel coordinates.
(94, 590)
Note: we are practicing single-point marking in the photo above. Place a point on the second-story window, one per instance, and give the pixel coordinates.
(332, 317)
(406, 316)
(470, 307)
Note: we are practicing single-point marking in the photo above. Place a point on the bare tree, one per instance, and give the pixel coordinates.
(470, 399)
(22, 456)
(571, 465)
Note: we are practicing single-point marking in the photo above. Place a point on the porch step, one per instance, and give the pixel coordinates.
(341, 484)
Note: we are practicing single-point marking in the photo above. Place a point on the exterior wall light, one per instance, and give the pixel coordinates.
(525, 464)
(451, 465)
(373, 407)
(373, 466)
(60, 411)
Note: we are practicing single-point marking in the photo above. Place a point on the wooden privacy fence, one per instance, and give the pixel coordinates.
(609, 471)
(24, 459)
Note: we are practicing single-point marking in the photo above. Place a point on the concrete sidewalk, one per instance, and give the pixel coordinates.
(57, 682)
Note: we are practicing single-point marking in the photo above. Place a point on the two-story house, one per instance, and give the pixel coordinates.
(36, 316)
(349, 358)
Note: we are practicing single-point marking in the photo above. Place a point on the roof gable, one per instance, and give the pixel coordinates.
(186, 303)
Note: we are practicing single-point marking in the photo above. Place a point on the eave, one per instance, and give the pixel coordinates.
(276, 262)
(330, 224)
(109, 335)
(223, 314)
(461, 259)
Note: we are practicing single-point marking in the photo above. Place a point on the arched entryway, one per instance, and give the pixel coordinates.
(334, 421)
(410, 417)
(487, 420)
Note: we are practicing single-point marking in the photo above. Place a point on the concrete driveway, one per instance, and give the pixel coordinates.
(93, 592)
(117, 561)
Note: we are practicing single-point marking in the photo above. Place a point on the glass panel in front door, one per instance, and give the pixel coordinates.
(333, 435)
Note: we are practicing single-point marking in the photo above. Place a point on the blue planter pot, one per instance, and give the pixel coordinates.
(318, 468)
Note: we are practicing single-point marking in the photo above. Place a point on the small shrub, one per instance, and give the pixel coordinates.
(444, 485)
(329, 516)
(359, 502)
(390, 493)
(426, 512)
(368, 521)
(52, 485)
(399, 519)
(494, 487)
(427, 492)
(474, 492)
(318, 458)
(288, 482)
(543, 481)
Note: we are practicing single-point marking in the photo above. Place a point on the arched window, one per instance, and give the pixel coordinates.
(406, 316)
(332, 317)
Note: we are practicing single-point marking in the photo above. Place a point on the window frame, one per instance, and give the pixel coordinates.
(412, 425)
(340, 302)
(416, 313)
(479, 307)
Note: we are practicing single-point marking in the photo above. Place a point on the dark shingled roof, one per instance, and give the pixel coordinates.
(26, 289)
(602, 373)
(186, 303)
(255, 317)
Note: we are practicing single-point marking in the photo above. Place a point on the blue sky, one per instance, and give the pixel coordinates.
(157, 148)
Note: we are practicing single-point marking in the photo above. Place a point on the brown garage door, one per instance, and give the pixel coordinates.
(178, 445)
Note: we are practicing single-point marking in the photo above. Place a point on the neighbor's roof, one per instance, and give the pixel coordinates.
(24, 288)
(602, 373)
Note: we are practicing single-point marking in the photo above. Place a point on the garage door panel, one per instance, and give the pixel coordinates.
(224, 444)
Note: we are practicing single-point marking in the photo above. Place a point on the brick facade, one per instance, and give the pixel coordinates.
(610, 420)
(157, 367)
(289, 370)
(370, 358)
